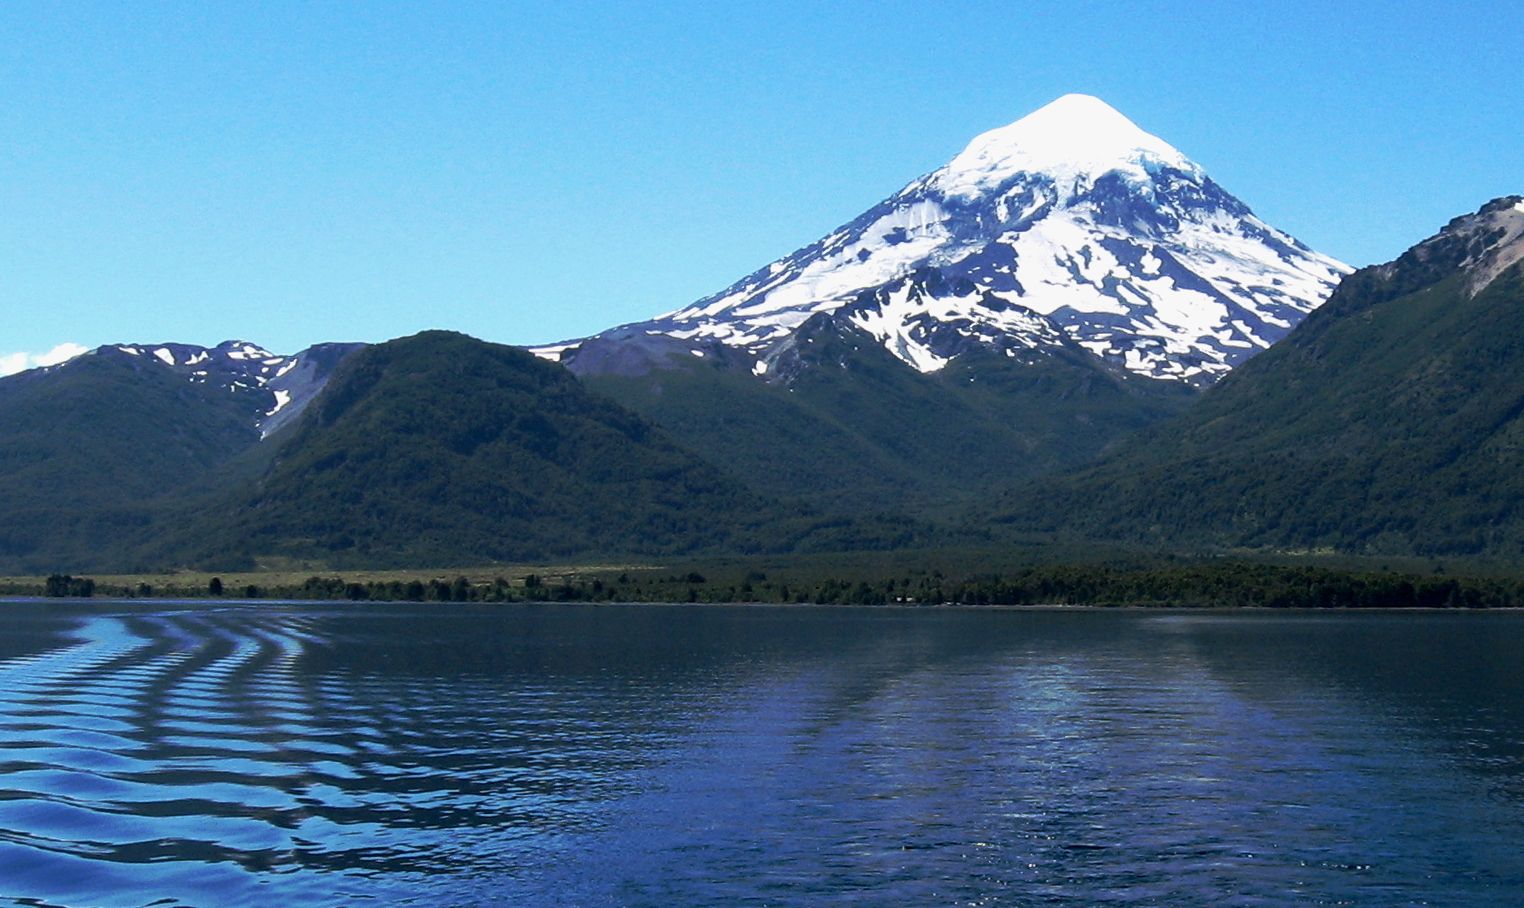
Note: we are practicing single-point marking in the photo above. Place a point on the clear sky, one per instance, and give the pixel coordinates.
(524, 172)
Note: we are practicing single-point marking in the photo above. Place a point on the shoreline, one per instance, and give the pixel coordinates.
(898, 606)
(1188, 585)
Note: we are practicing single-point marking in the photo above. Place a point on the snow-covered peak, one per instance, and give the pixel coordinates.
(1074, 139)
(1070, 225)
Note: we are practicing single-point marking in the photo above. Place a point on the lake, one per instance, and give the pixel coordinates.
(221, 753)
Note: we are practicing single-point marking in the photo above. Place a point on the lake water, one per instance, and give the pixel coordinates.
(672, 755)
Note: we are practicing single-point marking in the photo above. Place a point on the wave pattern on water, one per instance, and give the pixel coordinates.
(584, 756)
(190, 755)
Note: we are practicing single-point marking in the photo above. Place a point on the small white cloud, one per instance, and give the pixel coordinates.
(11, 363)
(60, 354)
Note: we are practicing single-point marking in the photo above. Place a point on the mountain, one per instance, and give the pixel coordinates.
(1390, 421)
(846, 425)
(273, 389)
(440, 449)
(1071, 223)
(94, 447)
(1061, 283)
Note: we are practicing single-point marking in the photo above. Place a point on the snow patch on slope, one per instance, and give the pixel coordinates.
(275, 388)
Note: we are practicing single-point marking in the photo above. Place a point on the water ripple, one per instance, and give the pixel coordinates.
(586, 756)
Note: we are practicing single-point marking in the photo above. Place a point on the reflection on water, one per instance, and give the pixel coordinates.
(701, 755)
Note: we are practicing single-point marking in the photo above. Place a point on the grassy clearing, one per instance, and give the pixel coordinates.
(195, 583)
(1004, 576)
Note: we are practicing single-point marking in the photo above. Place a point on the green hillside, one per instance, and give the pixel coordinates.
(440, 449)
(90, 449)
(855, 429)
(1390, 421)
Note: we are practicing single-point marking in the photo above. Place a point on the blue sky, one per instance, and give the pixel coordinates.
(296, 173)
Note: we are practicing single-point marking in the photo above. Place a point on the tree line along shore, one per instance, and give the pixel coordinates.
(1209, 584)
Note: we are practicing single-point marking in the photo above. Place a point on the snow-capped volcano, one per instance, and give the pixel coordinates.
(1071, 222)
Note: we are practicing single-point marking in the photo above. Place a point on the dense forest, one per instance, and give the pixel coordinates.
(1391, 421)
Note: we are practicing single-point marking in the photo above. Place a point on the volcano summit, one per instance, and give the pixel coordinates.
(1070, 226)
